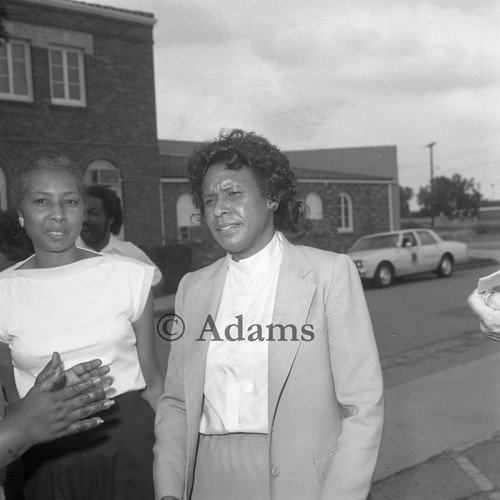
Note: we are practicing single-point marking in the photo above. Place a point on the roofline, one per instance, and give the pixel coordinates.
(318, 181)
(99, 10)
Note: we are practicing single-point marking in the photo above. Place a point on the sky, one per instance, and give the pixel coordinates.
(321, 74)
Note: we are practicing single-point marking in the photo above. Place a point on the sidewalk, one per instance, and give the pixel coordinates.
(441, 439)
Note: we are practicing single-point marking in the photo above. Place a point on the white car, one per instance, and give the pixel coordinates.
(382, 257)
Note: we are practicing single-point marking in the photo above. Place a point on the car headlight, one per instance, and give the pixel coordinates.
(361, 266)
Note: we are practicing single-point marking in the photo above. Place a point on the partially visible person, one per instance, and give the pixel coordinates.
(102, 222)
(59, 404)
(84, 305)
(487, 307)
(15, 244)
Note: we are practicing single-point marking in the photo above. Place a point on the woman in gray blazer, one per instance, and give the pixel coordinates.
(274, 390)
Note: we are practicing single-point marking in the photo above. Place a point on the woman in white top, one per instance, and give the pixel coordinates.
(83, 305)
(274, 391)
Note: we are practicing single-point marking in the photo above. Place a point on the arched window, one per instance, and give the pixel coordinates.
(189, 226)
(106, 174)
(3, 191)
(345, 224)
(315, 204)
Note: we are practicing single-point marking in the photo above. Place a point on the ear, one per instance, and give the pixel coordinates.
(272, 205)
(21, 218)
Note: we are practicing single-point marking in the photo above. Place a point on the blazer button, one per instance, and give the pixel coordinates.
(275, 471)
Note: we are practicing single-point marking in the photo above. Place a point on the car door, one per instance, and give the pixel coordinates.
(430, 253)
(410, 251)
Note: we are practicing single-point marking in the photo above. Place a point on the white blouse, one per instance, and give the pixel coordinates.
(83, 310)
(236, 375)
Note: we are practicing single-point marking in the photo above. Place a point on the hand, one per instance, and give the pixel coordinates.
(51, 378)
(489, 317)
(50, 411)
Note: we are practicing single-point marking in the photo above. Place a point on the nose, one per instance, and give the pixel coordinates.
(221, 206)
(58, 212)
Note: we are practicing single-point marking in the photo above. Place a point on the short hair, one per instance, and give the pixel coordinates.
(270, 167)
(55, 162)
(111, 204)
(15, 244)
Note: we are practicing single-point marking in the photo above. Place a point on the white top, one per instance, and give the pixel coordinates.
(236, 372)
(83, 310)
(127, 249)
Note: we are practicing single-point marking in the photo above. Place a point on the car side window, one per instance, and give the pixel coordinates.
(408, 240)
(426, 238)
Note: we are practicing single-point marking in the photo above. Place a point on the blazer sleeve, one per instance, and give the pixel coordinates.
(358, 383)
(169, 469)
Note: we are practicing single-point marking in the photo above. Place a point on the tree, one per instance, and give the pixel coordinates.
(452, 197)
(405, 195)
(3, 16)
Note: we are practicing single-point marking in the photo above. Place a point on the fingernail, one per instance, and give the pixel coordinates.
(96, 380)
(108, 403)
(99, 421)
(107, 388)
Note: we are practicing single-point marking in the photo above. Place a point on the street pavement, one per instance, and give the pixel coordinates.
(442, 431)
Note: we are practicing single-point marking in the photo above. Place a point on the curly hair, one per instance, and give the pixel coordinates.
(111, 204)
(271, 169)
(15, 244)
(53, 162)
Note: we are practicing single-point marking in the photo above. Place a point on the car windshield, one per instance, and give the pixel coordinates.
(375, 242)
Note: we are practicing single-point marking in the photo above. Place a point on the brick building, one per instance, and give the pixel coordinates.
(350, 192)
(78, 79)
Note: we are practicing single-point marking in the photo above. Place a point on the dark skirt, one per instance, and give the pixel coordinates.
(113, 461)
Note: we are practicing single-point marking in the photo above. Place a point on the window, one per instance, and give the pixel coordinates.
(345, 214)
(188, 225)
(67, 82)
(315, 204)
(15, 71)
(426, 238)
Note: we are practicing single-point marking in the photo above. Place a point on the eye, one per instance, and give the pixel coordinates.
(233, 194)
(71, 202)
(40, 201)
(209, 201)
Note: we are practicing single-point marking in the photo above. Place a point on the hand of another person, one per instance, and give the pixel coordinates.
(52, 409)
(489, 317)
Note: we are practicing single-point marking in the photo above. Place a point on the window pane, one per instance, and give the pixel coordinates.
(56, 57)
(57, 74)
(4, 84)
(4, 70)
(18, 51)
(19, 69)
(57, 90)
(73, 76)
(74, 92)
(3, 51)
(72, 59)
(20, 86)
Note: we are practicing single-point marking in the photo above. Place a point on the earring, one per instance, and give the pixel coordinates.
(21, 221)
(273, 206)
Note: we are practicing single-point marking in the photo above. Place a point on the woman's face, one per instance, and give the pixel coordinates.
(52, 208)
(236, 212)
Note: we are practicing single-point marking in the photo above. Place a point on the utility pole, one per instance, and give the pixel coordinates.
(430, 146)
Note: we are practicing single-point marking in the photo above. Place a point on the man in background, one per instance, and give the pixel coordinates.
(102, 222)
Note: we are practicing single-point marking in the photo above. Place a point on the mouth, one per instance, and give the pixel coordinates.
(56, 234)
(227, 227)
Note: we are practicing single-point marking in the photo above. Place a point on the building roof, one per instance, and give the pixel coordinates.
(373, 163)
(103, 10)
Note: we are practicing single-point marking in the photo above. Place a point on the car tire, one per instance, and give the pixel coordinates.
(445, 267)
(384, 275)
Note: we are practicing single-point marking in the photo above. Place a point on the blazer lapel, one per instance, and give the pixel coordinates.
(205, 301)
(293, 301)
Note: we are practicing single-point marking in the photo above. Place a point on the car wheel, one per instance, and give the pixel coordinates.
(384, 275)
(445, 267)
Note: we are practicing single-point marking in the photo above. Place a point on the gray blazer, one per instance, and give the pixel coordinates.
(325, 394)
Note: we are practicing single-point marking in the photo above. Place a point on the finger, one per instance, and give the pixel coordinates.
(90, 409)
(83, 425)
(79, 388)
(50, 367)
(86, 367)
(50, 382)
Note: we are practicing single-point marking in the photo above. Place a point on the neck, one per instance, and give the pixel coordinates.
(54, 259)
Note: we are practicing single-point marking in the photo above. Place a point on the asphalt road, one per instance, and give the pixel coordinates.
(423, 324)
